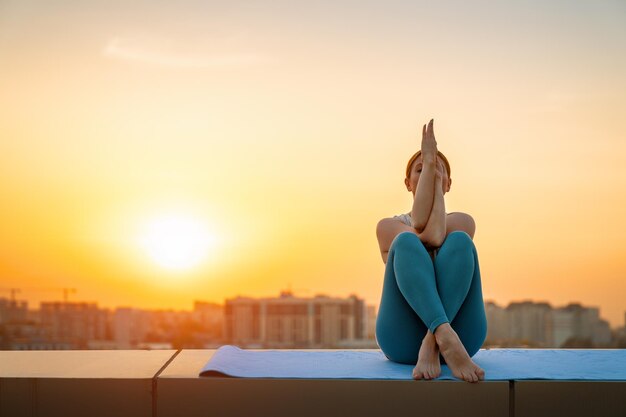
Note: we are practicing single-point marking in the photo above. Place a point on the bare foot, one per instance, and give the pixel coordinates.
(428, 366)
(456, 356)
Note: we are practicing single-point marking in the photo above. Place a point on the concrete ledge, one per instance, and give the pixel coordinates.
(182, 392)
(569, 398)
(75, 397)
(79, 383)
(166, 383)
(314, 398)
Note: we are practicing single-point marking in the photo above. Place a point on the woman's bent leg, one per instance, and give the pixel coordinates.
(410, 304)
(459, 285)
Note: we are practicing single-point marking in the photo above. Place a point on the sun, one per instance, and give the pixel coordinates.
(176, 241)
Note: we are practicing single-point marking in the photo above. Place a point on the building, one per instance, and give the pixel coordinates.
(13, 311)
(371, 322)
(20, 330)
(74, 324)
(293, 322)
(210, 320)
(575, 322)
(537, 324)
(530, 322)
(497, 323)
(209, 315)
(130, 327)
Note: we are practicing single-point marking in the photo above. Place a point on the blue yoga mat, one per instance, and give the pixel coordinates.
(499, 364)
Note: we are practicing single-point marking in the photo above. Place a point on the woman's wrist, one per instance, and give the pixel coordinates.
(429, 159)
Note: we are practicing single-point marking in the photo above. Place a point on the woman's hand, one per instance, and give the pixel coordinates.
(429, 144)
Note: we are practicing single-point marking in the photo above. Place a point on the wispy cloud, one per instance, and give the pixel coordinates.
(168, 53)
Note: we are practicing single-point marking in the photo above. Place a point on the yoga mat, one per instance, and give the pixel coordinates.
(499, 364)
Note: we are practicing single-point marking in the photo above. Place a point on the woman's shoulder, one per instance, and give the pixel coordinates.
(460, 221)
(393, 221)
(404, 218)
(459, 215)
(407, 216)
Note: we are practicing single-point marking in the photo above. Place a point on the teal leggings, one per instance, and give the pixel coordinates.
(419, 294)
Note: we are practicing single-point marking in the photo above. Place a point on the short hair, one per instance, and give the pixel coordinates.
(417, 154)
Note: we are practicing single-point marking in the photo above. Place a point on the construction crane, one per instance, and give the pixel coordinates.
(13, 291)
(67, 291)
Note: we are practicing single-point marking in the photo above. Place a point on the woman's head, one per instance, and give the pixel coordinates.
(414, 169)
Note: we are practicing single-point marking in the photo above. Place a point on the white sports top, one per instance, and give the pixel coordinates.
(404, 218)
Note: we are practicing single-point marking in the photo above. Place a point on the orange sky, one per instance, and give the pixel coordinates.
(286, 132)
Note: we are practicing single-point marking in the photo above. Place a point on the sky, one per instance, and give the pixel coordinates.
(280, 131)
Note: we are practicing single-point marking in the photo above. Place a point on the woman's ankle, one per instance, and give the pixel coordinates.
(442, 330)
(429, 338)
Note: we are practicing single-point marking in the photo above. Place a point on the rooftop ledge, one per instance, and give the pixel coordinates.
(165, 383)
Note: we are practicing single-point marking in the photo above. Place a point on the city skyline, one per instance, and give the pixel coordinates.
(150, 152)
(285, 320)
(619, 324)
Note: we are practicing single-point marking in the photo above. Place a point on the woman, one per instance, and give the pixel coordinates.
(432, 299)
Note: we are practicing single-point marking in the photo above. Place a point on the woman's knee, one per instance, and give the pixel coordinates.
(395, 348)
(458, 238)
(404, 356)
(407, 240)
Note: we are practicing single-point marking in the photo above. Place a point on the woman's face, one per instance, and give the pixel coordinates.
(416, 170)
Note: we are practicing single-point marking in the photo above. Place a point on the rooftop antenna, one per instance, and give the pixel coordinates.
(299, 290)
(67, 291)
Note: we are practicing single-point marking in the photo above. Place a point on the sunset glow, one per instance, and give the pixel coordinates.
(279, 136)
(176, 242)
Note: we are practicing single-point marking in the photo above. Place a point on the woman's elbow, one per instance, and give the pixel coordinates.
(432, 239)
(438, 240)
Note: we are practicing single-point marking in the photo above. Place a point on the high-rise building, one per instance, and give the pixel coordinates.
(583, 323)
(209, 314)
(210, 318)
(74, 323)
(130, 326)
(13, 311)
(537, 324)
(294, 322)
(530, 321)
(497, 322)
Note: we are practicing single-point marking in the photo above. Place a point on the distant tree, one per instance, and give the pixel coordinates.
(578, 342)
(619, 342)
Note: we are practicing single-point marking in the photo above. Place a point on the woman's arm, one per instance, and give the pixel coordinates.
(435, 231)
(424, 194)
(386, 231)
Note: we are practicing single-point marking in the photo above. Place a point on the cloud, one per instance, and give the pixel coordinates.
(167, 53)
